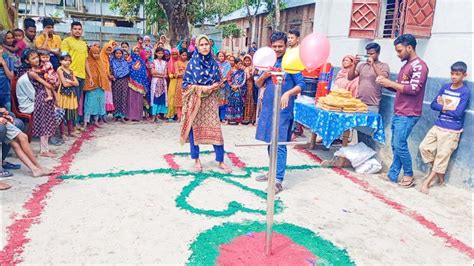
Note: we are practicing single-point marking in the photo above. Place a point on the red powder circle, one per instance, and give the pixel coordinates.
(249, 250)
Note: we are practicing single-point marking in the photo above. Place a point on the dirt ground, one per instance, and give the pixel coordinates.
(128, 195)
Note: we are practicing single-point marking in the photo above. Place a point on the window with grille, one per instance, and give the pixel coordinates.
(398, 17)
(393, 18)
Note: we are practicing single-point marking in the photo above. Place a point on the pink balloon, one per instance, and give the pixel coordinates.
(314, 50)
(264, 58)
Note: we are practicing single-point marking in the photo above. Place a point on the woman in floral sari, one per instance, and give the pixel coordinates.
(201, 123)
(224, 68)
(235, 107)
(249, 103)
(139, 85)
(105, 55)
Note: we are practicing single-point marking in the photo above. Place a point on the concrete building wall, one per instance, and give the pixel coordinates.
(451, 41)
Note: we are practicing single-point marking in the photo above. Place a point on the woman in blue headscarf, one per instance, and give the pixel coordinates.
(139, 85)
(201, 124)
(121, 72)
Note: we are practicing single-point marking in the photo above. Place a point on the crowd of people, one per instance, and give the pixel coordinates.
(67, 84)
(367, 79)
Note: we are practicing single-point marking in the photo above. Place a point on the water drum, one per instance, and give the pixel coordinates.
(310, 88)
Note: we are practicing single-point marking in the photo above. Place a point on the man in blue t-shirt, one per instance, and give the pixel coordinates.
(443, 138)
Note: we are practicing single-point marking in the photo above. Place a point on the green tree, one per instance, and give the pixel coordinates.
(212, 10)
(166, 14)
(231, 31)
(273, 8)
(176, 15)
(252, 7)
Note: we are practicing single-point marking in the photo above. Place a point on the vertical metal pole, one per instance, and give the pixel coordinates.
(273, 165)
(101, 23)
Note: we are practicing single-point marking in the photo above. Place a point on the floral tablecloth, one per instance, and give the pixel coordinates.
(330, 125)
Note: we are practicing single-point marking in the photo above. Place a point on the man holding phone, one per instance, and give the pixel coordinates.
(49, 41)
(369, 91)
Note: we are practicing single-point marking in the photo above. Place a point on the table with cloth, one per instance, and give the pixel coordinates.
(331, 125)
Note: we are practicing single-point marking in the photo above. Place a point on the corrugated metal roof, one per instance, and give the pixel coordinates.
(242, 13)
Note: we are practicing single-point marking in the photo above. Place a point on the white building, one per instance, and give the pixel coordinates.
(445, 33)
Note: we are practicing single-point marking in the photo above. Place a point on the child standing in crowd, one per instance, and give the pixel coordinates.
(67, 99)
(442, 139)
(225, 70)
(173, 77)
(180, 67)
(94, 102)
(105, 59)
(158, 86)
(250, 106)
(44, 123)
(19, 42)
(120, 71)
(235, 106)
(48, 73)
(139, 85)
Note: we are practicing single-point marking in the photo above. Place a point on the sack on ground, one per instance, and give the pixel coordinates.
(371, 166)
(357, 154)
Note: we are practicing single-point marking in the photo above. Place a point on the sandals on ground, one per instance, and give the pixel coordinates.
(407, 183)
(5, 174)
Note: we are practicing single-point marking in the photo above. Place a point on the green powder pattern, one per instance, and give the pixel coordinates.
(182, 199)
(205, 249)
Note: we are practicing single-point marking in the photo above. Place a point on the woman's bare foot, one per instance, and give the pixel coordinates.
(96, 123)
(198, 166)
(440, 179)
(48, 154)
(226, 168)
(40, 172)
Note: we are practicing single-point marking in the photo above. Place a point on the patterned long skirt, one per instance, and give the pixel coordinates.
(178, 96)
(235, 105)
(120, 93)
(44, 123)
(250, 107)
(171, 98)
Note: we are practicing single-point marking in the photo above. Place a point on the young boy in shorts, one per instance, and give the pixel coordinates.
(443, 138)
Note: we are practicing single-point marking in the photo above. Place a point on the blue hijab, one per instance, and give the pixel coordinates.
(201, 69)
(119, 66)
(139, 81)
